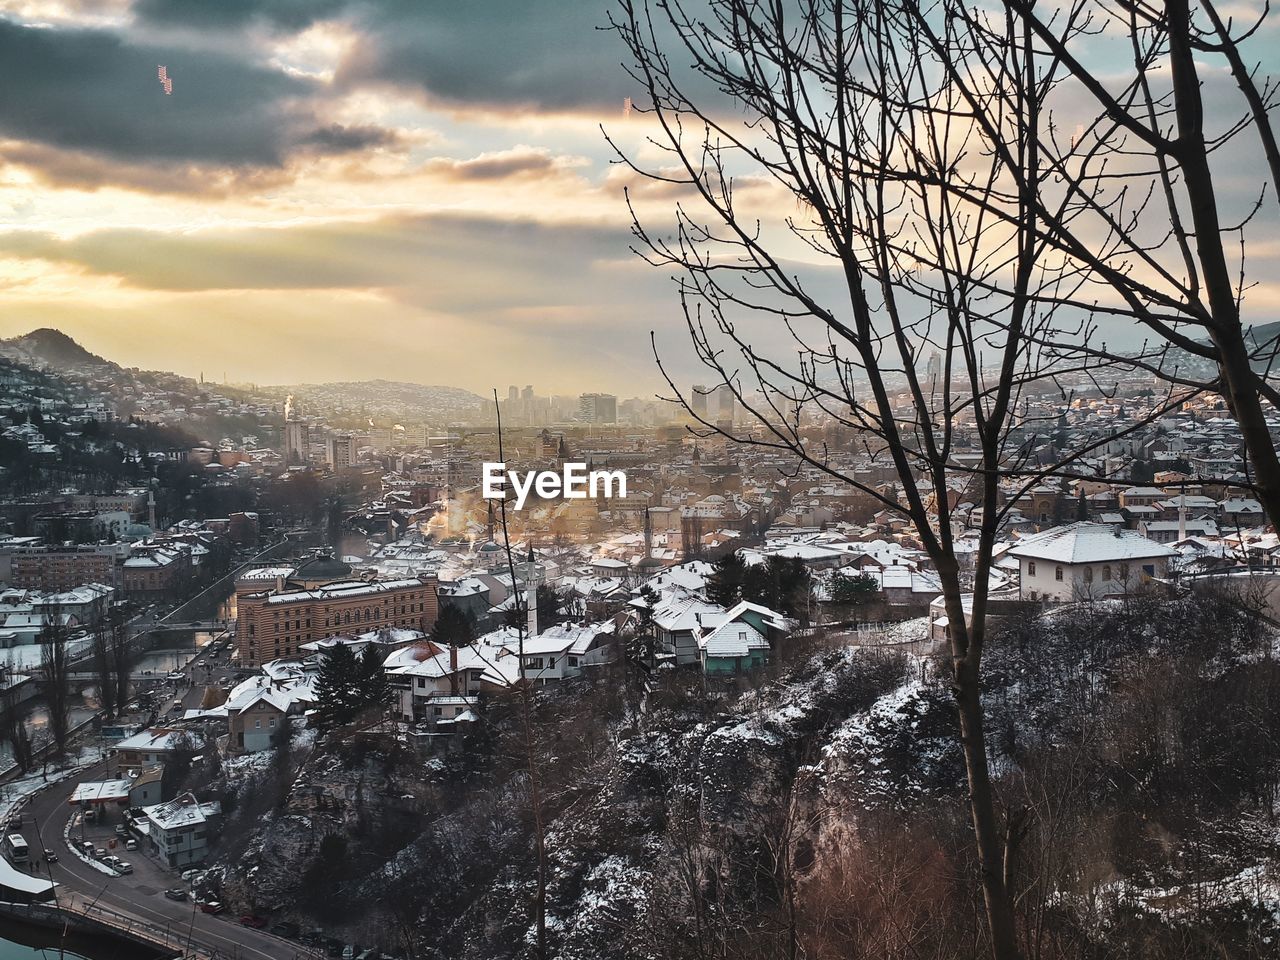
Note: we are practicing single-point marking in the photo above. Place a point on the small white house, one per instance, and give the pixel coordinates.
(1087, 560)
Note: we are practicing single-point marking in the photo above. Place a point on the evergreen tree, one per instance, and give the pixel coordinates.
(375, 689)
(454, 627)
(337, 688)
(853, 590)
(725, 586)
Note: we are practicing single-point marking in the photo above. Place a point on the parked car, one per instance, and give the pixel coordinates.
(99, 852)
(176, 675)
(120, 831)
(252, 920)
(111, 861)
(50, 856)
(123, 866)
(176, 893)
(131, 844)
(285, 929)
(211, 906)
(86, 848)
(189, 875)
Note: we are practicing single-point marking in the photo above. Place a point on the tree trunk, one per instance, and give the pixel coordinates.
(967, 690)
(1239, 383)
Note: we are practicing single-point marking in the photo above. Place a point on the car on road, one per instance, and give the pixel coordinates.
(120, 830)
(286, 929)
(176, 893)
(177, 705)
(50, 856)
(123, 866)
(252, 920)
(131, 844)
(211, 906)
(176, 675)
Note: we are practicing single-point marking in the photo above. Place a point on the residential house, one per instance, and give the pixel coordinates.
(179, 831)
(1085, 560)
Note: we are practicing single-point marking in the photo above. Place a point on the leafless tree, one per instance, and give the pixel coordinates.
(121, 661)
(103, 668)
(1137, 203)
(529, 735)
(13, 728)
(857, 238)
(55, 680)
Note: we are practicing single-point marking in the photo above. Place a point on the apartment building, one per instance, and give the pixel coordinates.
(275, 623)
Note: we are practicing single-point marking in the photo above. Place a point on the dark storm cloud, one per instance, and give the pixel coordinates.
(517, 54)
(92, 91)
(544, 54)
(445, 257)
(234, 14)
(519, 162)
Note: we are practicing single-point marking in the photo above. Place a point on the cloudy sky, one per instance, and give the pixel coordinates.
(340, 189)
(334, 189)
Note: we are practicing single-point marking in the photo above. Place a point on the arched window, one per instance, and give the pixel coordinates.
(1106, 571)
(1057, 573)
(1088, 574)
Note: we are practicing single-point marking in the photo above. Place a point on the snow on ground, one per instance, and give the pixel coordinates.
(14, 793)
(25, 657)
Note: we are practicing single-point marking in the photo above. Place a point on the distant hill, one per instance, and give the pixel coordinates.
(384, 392)
(53, 347)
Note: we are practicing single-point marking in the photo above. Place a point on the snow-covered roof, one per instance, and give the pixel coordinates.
(1088, 543)
(158, 739)
(733, 639)
(182, 811)
(99, 791)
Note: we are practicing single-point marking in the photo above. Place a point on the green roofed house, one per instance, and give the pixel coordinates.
(741, 639)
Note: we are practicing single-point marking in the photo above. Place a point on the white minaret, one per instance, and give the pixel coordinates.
(531, 594)
(151, 509)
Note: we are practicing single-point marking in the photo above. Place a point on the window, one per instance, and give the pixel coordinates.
(272, 723)
(422, 682)
(573, 661)
(1124, 571)
(1031, 568)
(1088, 574)
(1057, 573)
(257, 724)
(535, 663)
(1106, 572)
(477, 676)
(437, 711)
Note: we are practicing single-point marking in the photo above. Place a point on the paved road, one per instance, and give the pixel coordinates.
(140, 894)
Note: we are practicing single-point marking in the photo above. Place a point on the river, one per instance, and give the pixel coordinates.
(177, 650)
(22, 941)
